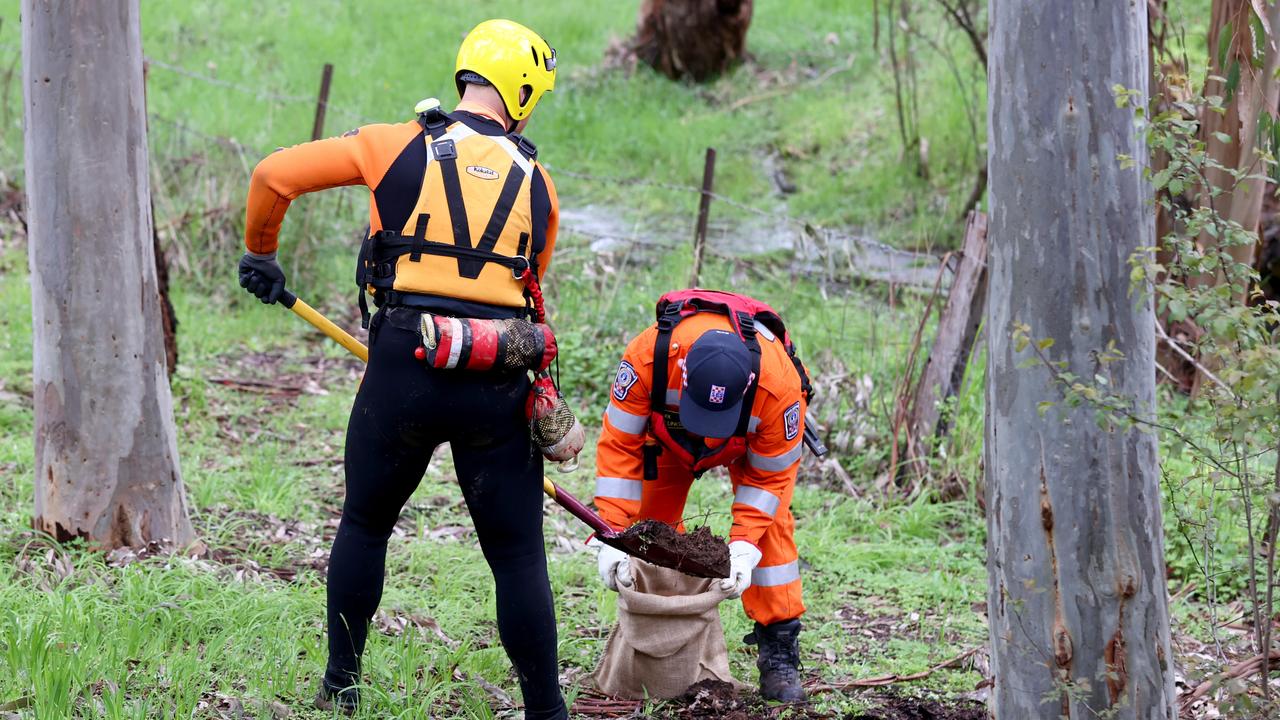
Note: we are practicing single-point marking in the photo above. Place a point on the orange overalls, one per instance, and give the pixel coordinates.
(763, 479)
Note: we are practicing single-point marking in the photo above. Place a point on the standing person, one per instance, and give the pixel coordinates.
(462, 224)
(728, 392)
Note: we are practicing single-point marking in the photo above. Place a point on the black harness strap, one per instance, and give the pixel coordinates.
(747, 330)
(389, 245)
(497, 221)
(419, 238)
(446, 154)
(667, 322)
(364, 261)
(526, 148)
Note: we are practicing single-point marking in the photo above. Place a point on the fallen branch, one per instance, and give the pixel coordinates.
(257, 386)
(1242, 669)
(605, 707)
(1173, 345)
(882, 680)
(743, 102)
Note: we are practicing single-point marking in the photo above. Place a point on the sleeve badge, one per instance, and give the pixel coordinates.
(622, 383)
(792, 420)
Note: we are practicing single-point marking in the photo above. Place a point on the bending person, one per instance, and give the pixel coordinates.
(728, 391)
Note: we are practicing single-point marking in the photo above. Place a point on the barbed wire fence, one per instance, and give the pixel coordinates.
(197, 204)
(830, 251)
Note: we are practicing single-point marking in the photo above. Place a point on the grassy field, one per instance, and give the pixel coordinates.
(893, 586)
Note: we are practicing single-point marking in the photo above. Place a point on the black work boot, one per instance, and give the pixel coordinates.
(344, 700)
(779, 660)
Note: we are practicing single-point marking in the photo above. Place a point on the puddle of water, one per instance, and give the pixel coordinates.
(821, 251)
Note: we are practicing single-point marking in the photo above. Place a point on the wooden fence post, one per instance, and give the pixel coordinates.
(704, 208)
(957, 330)
(322, 102)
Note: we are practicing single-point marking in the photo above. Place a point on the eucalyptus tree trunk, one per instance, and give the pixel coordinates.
(1077, 598)
(106, 448)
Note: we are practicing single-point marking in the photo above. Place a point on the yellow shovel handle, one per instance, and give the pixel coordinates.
(325, 325)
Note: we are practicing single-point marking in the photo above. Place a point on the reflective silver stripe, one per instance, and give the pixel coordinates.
(626, 422)
(515, 154)
(618, 488)
(764, 331)
(776, 463)
(753, 423)
(776, 575)
(762, 500)
(455, 342)
(461, 132)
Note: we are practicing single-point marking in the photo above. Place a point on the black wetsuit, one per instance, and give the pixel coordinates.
(402, 412)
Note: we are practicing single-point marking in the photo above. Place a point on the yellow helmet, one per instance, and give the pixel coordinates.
(511, 57)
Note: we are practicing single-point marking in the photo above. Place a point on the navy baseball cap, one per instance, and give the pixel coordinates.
(717, 374)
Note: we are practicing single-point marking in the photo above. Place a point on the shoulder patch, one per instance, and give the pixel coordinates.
(627, 377)
(792, 420)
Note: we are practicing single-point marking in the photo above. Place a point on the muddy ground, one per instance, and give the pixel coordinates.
(716, 700)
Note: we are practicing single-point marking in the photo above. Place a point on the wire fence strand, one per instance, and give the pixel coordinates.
(779, 217)
(834, 240)
(261, 94)
(258, 93)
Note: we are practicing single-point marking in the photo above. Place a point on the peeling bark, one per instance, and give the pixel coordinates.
(1079, 623)
(106, 451)
(1256, 92)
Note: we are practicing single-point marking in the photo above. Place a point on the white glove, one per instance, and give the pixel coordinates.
(613, 564)
(743, 558)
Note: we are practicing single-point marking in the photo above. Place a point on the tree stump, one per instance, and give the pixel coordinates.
(695, 39)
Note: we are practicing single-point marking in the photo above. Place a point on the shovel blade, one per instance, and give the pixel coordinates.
(659, 555)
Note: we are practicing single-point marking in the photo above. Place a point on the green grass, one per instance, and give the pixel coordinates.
(837, 139)
(891, 586)
(170, 637)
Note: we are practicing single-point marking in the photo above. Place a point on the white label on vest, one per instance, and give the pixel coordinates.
(482, 172)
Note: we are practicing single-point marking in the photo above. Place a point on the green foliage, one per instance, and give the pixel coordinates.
(171, 637)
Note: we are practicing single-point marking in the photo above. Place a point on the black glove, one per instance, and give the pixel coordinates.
(262, 276)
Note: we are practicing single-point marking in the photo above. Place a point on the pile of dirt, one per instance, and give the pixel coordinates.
(718, 700)
(698, 553)
(898, 707)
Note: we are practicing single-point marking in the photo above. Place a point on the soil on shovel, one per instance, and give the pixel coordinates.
(699, 547)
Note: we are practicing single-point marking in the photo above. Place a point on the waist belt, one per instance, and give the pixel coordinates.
(376, 264)
(452, 307)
